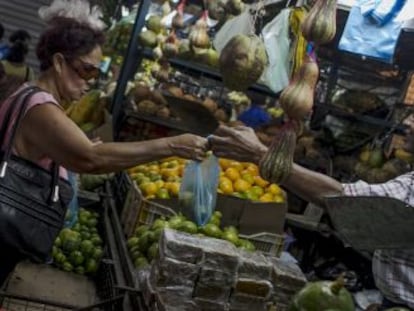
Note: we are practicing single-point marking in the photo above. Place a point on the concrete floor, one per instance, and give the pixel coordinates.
(48, 283)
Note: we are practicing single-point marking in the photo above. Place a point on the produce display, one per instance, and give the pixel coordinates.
(89, 112)
(79, 249)
(201, 273)
(162, 180)
(143, 246)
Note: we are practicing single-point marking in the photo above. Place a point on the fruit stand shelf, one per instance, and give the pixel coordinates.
(200, 69)
(168, 123)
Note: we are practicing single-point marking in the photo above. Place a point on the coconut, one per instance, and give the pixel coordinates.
(210, 104)
(184, 50)
(221, 115)
(210, 57)
(148, 39)
(234, 7)
(147, 106)
(190, 97)
(154, 24)
(175, 90)
(242, 61)
(163, 112)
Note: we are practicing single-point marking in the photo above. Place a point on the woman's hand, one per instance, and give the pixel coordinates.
(238, 143)
(189, 146)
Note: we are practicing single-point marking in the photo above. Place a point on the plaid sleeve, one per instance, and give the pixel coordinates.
(399, 188)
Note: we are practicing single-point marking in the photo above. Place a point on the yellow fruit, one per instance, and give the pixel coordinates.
(237, 165)
(253, 169)
(224, 163)
(248, 177)
(181, 168)
(232, 174)
(265, 198)
(169, 172)
(257, 190)
(160, 183)
(260, 181)
(275, 189)
(154, 168)
(163, 194)
(241, 185)
(174, 188)
(278, 199)
(149, 188)
(251, 195)
(226, 185)
(141, 168)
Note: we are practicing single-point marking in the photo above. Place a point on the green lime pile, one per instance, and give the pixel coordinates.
(79, 249)
(143, 245)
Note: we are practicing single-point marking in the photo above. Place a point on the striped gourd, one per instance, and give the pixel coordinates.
(276, 164)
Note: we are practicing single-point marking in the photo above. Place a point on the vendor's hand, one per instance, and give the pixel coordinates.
(239, 143)
(189, 146)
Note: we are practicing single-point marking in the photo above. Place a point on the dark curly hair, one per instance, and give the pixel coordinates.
(19, 46)
(69, 37)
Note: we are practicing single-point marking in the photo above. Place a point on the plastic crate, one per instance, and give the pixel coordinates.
(270, 244)
(137, 211)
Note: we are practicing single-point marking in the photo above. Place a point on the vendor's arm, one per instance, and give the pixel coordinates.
(46, 130)
(242, 144)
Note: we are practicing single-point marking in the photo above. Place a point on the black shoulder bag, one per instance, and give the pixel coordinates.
(32, 200)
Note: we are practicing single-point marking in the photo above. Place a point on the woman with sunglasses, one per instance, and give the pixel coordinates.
(70, 52)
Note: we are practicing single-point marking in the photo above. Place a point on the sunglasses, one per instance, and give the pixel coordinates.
(84, 70)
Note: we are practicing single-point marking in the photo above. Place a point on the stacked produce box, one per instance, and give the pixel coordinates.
(200, 273)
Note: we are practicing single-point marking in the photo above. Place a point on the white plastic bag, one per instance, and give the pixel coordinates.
(198, 191)
(276, 38)
(241, 24)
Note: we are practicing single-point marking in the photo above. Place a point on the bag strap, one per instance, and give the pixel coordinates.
(20, 102)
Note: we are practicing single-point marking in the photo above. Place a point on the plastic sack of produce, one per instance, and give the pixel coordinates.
(372, 29)
(198, 191)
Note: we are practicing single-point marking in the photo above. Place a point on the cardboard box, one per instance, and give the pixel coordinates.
(249, 217)
(252, 217)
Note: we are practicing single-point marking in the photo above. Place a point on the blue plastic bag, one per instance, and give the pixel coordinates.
(73, 207)
(255, 116)
(372, 30)
(198, 191)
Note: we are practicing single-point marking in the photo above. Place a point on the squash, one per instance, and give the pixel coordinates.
(276, 165)
(319, 25)
(298, 97)
(323, 296)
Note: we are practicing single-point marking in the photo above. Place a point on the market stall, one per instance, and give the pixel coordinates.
(174, 234)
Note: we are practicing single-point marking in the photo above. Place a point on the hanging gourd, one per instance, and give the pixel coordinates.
(319, 25)
(178, 19)
(170, 46)
(297, 98)
(199, 38)
(276, 165)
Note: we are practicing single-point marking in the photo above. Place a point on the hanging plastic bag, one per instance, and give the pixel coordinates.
(277, 42)
(73, 207)
(241, 24)
(375, 34)
(198, 191)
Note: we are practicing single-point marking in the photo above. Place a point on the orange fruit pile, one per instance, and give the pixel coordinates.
(162, 179)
